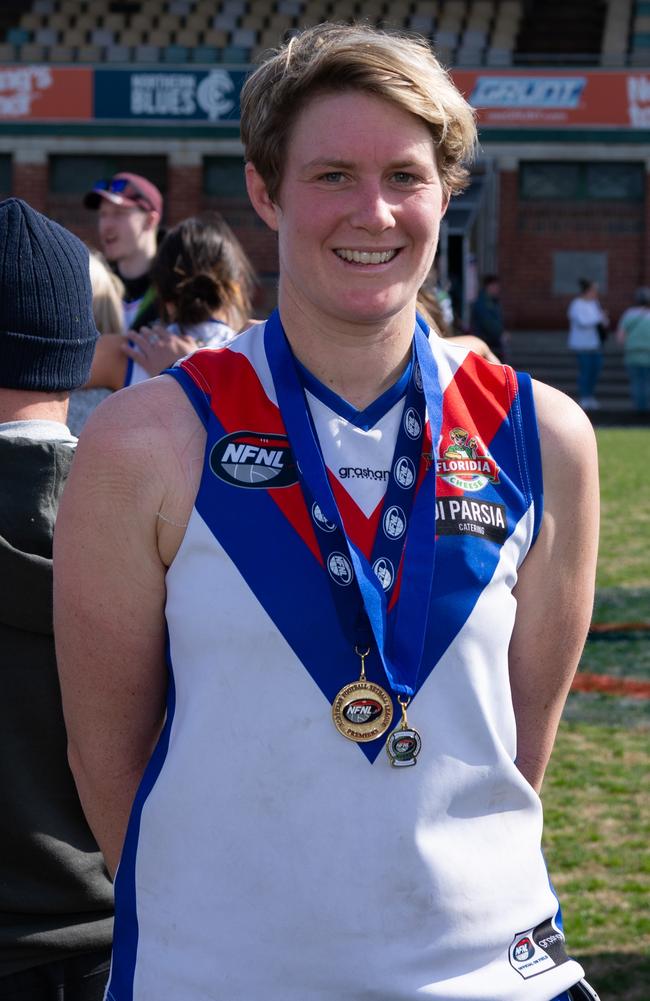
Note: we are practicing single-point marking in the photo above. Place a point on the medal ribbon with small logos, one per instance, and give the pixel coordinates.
(405, 538)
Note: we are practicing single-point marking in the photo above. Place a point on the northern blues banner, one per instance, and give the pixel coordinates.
(180, 95)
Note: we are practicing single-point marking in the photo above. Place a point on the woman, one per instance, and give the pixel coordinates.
(633, 333)
(204, 280)
(587, 319)
(350, 708)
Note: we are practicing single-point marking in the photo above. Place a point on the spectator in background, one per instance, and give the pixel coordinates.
(108, 295)
(108, 312)
(435, 310)
(129, 212)
(204, 283)
(55, 896)
(487, 317)
(586, 319)
(633, 333)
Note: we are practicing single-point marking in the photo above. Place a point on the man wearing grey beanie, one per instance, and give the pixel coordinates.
(55, 895)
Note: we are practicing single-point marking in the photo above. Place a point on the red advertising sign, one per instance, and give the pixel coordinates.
(42, 92)
(550, 99)
(506, 98)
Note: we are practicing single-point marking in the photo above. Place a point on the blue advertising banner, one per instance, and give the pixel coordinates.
(176, 96)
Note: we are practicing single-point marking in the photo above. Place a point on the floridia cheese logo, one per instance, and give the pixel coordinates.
(466, 463)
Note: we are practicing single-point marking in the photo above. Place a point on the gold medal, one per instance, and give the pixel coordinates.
(362, 710)
(404, 743)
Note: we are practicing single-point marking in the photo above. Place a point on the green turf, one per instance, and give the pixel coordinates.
(624, 463)
(596, 794)
(597, 831)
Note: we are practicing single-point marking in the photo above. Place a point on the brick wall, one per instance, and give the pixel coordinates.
(30, 182)
(530, 232)
(184, 195)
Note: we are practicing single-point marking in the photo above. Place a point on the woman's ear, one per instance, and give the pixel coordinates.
(261, 201)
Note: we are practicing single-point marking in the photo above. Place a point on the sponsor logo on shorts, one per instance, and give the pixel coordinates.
(254, 460)
(537, 950)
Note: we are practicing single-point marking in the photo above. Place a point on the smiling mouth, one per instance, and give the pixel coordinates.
(366, 256)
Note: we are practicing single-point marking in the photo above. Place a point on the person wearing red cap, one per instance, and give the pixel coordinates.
(130, 209)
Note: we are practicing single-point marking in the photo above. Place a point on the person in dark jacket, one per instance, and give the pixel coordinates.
(56, 900)
(487, 317)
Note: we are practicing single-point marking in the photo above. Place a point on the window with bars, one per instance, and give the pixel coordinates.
(223, 177)
(563, 181)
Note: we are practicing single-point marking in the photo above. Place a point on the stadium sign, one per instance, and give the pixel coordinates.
(168, 96)
(210, 95)
(43, 92)
(551, 99)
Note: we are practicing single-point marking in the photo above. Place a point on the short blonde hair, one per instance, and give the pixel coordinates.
(108, 292)
(331, 58)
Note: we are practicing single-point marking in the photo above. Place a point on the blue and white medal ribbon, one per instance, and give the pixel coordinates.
(405, 541)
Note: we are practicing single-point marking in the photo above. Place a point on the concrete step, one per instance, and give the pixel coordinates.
(545, 356)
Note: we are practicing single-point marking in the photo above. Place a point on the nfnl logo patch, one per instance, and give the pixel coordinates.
(250, 459)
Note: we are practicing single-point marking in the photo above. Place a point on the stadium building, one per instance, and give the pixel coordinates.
(562, 89)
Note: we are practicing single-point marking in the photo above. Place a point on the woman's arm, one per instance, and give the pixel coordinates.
(556, 581)
(109, 363)
(120, 522)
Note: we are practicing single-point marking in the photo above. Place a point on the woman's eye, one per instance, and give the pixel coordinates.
(403, 177)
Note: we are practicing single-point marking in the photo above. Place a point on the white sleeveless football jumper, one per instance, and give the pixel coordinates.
(268, 858)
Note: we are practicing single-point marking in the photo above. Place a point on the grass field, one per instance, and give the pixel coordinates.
(624, 560)
(596, 794)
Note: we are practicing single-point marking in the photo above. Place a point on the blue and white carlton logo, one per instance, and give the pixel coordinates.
(417, 376)
(385, 572)
(323, 523)
(404, 472)
(394, 522)
(340, 569)
(212, 94)
(412, 423)
(179, 95)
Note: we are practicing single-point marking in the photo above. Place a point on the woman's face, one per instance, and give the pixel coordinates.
(358, 211)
